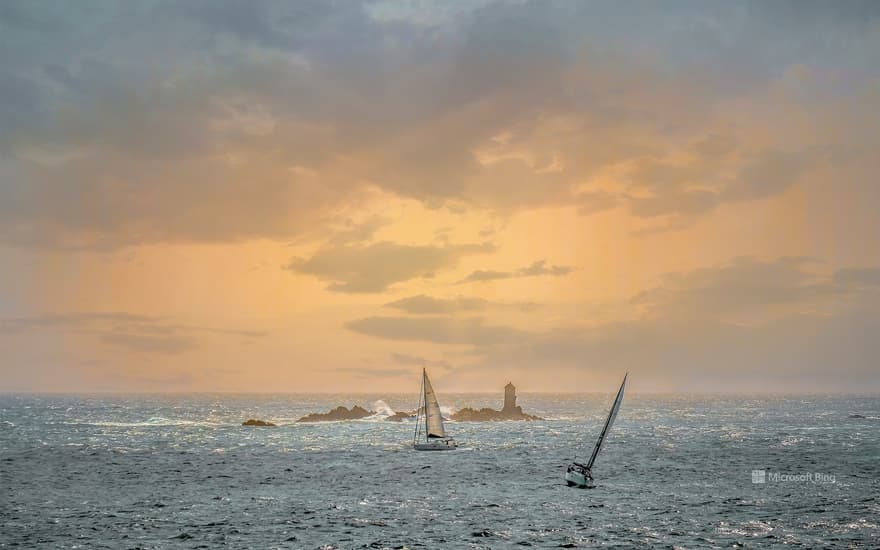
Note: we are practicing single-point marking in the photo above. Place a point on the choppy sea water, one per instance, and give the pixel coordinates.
(136, 471)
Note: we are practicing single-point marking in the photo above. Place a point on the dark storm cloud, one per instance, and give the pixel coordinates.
(771, 172)
(800, 323)
(219, 121)
(122, 152)
(774, 356)
(375, 267)
(716, 173)
(535, 269)
(789, 13)
(807, 331)
(806, 328)
(744, 285)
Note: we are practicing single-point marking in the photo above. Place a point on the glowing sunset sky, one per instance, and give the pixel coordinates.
(325, 196)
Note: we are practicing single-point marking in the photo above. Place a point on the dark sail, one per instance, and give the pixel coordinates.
(611, 416)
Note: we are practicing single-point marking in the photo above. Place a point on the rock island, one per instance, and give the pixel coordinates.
(256, 422)
(339, 413)
(510, 410)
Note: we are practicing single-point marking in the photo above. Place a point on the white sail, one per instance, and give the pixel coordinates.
(608, 422)
(433, 418)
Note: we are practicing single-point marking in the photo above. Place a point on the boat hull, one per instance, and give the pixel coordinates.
(579, 480)
(447, 445)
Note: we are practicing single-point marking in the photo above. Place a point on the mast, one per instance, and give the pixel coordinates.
(425, 400)
(608, 421)
(419, 410)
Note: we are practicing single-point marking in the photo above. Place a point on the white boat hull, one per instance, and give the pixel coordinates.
(577, 479)
(443, 445)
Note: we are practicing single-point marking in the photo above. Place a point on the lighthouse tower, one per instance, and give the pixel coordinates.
(509, 398)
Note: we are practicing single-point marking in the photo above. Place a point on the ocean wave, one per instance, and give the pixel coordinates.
(791, 441)
(683, 476)
(382, 408)
(752, 528)
(153, 422)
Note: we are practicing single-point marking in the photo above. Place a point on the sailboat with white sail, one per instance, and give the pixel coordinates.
(430, 436)
(581, 475)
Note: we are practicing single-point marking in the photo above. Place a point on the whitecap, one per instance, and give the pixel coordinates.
(382, 408)
(152, 422)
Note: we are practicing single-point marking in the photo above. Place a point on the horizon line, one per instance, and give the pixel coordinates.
(875, 393)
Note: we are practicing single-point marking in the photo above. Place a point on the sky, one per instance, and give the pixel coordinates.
(327, 196)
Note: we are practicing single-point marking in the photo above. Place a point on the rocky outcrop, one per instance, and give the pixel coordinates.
(339, 413)
(486, 414)
(255, 422)
(400, 417)
(510, 410)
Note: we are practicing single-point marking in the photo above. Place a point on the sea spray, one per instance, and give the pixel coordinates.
(382, 408)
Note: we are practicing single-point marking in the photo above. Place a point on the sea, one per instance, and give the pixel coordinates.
(677, 471)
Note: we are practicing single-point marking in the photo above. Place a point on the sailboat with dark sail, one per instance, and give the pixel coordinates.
(581, 475)
(430, 436)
